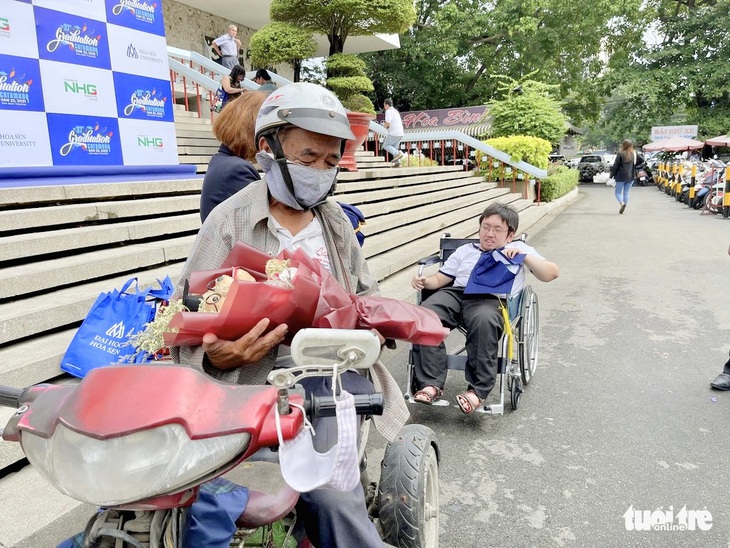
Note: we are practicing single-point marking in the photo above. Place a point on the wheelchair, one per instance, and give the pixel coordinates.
(513, 374)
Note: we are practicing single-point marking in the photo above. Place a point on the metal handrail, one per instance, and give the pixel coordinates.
(419, 136)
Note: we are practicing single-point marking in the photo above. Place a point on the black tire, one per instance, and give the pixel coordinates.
(528, 334)
(408, 489)
(515, 393)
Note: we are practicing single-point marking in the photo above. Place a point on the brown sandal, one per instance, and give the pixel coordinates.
(428, 395)
(468, 401)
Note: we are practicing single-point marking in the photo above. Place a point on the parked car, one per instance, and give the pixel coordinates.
(556, 159)
(590, 165)
(608, 160)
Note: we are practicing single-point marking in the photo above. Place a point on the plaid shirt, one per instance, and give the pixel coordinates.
(245, 217)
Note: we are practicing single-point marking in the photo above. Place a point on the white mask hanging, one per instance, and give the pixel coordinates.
(304, 469)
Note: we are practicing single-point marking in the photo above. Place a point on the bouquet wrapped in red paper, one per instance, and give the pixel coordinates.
(307, 296)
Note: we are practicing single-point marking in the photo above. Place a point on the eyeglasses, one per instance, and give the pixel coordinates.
(496, 230)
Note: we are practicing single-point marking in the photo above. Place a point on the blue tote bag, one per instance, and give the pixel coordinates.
(114, 317)
(491, 276)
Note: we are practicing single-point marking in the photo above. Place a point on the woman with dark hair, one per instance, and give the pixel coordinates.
(230, 169)
(624, 172)
(230, 88)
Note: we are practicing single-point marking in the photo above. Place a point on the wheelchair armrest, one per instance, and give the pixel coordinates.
(431, 259)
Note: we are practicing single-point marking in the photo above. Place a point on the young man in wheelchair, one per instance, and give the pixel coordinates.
(479, 277)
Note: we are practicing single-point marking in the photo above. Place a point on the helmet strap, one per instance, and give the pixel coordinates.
(272, 139)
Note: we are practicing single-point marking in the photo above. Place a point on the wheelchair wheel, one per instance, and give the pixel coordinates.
(528, 334)
(408, 491)
(515, 393)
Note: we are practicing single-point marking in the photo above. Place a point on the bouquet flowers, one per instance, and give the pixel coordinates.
(297, 291)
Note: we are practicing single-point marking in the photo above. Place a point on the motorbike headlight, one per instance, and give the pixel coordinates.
(129, 468)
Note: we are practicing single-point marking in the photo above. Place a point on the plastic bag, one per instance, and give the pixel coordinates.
(317, 300)
(113, 318)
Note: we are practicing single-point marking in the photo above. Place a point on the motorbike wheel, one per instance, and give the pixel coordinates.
(408, 490)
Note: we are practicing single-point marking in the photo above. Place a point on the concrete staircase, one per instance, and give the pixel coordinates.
(60, 246)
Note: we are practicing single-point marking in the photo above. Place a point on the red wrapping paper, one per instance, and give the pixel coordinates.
(317, 300)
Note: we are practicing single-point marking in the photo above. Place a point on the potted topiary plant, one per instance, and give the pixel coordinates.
(346, 77)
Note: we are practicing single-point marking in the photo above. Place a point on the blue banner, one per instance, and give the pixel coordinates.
(143, 98)
(70, 39)
(20, 84)
(84, 140)
(136, 14)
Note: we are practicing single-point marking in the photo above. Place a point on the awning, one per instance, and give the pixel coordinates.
(472, 130)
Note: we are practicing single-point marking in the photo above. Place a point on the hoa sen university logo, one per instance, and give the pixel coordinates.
(117, 330)
(667, 520)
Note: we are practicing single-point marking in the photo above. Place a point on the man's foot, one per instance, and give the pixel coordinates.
(397, 159)
(621, 209)
(721, 382)
(468, 401)
(428, 395)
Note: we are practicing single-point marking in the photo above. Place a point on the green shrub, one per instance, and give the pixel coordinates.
(559, 182)
(521, 148)
(346, 77)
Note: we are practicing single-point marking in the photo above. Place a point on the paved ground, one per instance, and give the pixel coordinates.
(620, 413)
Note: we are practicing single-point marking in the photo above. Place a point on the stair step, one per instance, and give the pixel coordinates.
(24, 317)
(32, 245)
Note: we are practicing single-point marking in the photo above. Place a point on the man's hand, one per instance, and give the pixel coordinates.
(238, 42)
(418, 282)
(250, 348)
(510, 252)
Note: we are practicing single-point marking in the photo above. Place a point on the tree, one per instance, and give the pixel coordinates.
(339, 19)
(348, 80)
(527, 108)
(455, 45)
(679, 78)
(282, 43)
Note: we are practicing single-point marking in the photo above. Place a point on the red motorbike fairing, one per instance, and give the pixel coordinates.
(118, 400)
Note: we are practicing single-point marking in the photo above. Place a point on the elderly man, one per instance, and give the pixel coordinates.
(300, 130)
(227, 47)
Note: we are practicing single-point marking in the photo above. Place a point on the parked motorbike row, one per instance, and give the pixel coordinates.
(699, 185)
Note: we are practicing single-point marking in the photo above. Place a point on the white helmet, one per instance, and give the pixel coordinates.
(306, 106)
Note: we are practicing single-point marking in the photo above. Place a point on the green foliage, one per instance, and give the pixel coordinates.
(559, 182)
(347, 79)
(282, 43)
(339, 19)
(447, 57)
(532, 150)
(527, 108)
(359, 103)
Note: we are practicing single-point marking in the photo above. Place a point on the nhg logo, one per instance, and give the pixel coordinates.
(150, 142)
(73, 86)
(4, 24)
(665, 520)
(132, 52)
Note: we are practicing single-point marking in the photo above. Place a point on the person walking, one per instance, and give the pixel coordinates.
(227, 47)
(394, 125)
(623, 172)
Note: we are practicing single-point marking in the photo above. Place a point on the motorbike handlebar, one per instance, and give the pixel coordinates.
(324, 406)
(10, 397)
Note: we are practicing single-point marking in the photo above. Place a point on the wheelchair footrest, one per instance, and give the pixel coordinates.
(493, 409)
